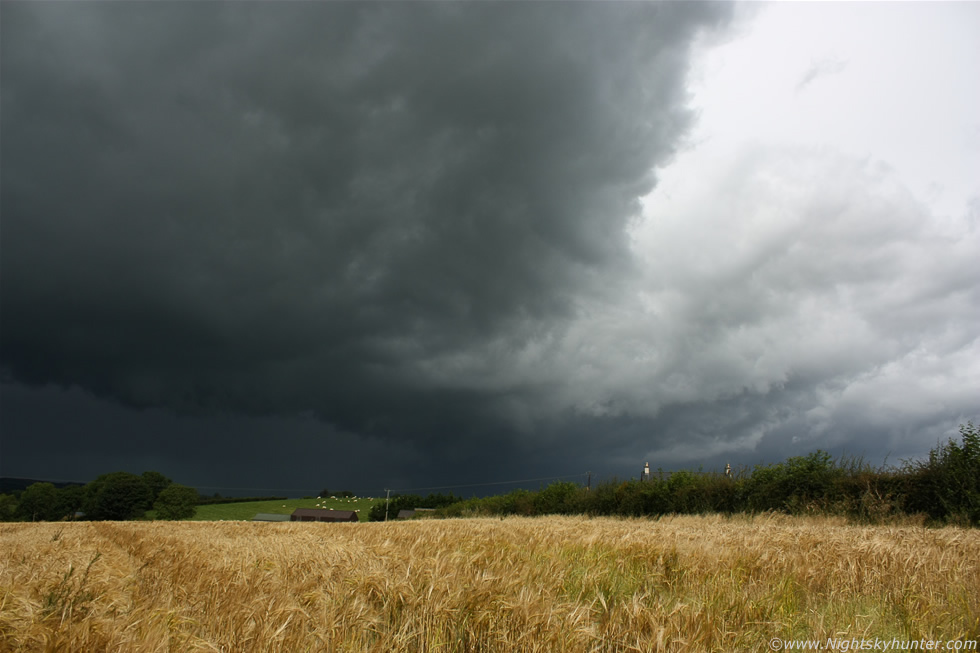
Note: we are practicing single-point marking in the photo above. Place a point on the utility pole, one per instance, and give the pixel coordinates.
(387, 501)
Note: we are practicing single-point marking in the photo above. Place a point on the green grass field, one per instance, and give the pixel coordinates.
(247, 510)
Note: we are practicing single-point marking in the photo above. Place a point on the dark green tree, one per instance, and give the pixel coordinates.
(8, 507)
(117, 496)
(176, 502)
(157, 483)
(39, 502)
(71, 499)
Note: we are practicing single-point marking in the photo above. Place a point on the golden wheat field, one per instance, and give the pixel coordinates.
(517, 584)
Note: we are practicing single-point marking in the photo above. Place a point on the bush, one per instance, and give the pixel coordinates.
(801, 484)
(559, 498)
(947, 485)
(601, 499)
(176, 502)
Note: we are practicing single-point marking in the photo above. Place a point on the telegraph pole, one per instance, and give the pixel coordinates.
(387, 501)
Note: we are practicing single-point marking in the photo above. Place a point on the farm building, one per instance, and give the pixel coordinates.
(265, 516)
(322, 514)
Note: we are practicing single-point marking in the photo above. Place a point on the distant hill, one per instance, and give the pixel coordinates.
(10, 485)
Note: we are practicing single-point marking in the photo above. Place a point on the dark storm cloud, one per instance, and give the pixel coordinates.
(350, 209)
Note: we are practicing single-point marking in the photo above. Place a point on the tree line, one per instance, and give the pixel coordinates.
(943, 489)
(114, 496)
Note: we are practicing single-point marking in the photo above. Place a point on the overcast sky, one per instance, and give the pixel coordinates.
(276, 247)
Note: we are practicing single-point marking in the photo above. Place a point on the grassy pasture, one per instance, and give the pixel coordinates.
(245, 511)
(517, 584)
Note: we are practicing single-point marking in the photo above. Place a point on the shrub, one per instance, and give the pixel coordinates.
(801, 484)
(601, 499)
(176, 502)
(947, 485)
(763, 489)
(559, 498)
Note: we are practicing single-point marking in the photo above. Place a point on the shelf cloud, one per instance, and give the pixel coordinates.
(451, 241)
